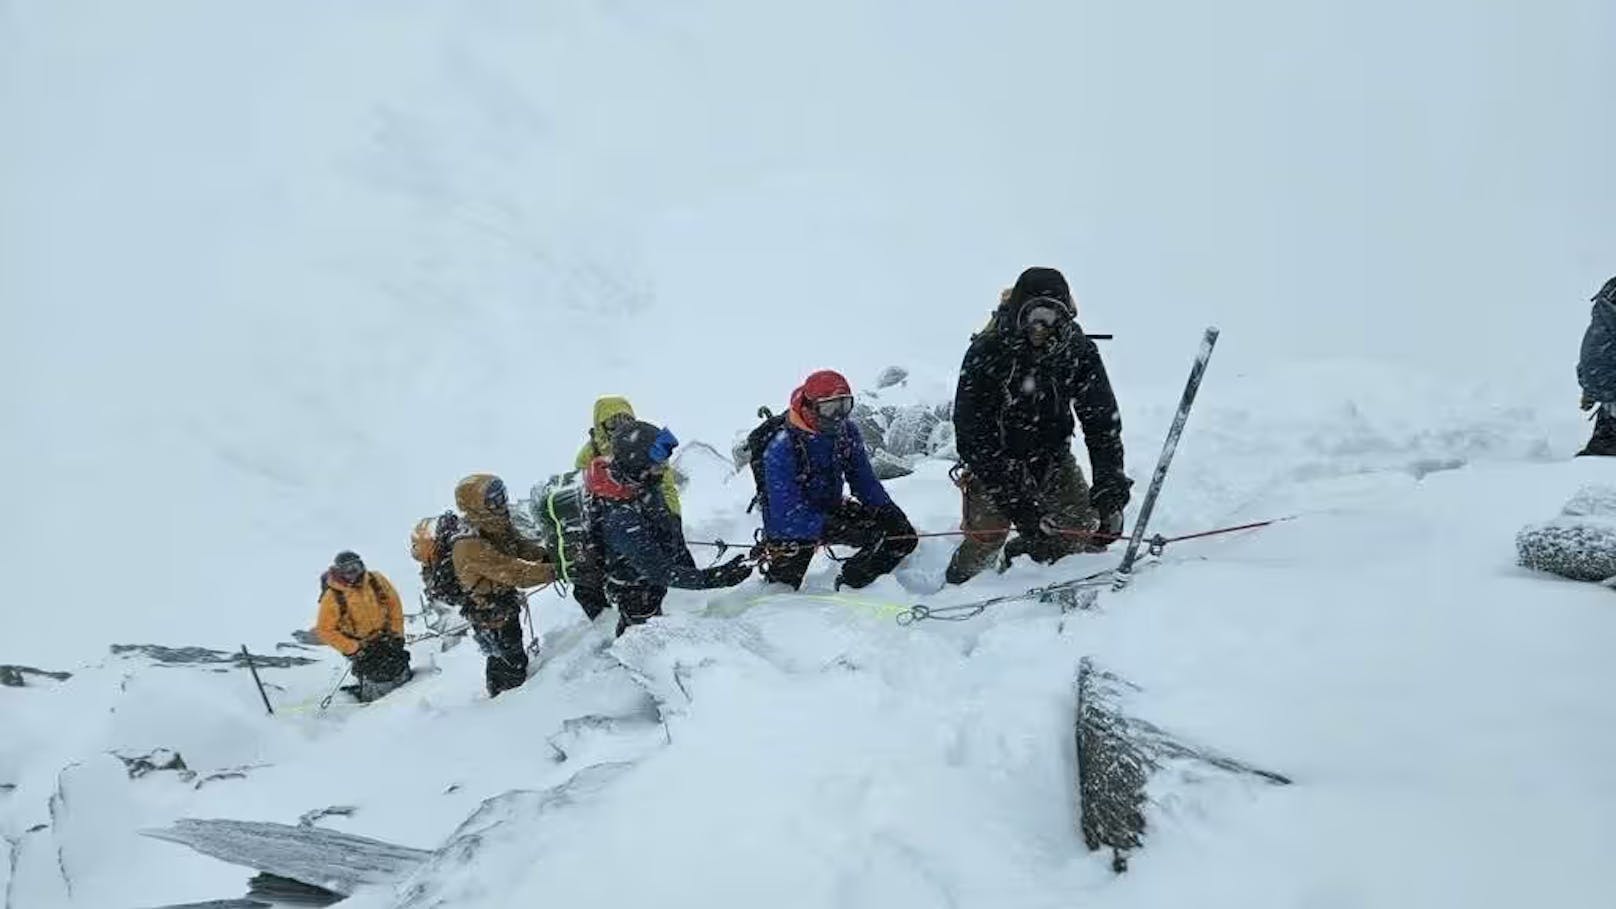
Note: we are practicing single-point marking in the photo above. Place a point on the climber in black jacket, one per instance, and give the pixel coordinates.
(1028, 380)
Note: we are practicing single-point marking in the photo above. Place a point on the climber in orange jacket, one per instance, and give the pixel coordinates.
(363, 618)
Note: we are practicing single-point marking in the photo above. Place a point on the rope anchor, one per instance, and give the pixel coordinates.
(1066, 592)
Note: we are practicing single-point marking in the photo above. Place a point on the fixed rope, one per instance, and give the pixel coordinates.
(1157, 544)
(963, 611)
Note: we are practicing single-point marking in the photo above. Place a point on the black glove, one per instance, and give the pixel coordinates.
(1110, 495)
(1047, 549)
(1043, 548)
(730, 573)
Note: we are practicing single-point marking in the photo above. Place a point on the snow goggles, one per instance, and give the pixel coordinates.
(662, 446)
(494, 498)
(836, 408)
(349, 569)
(617, 421)
(1046, 313)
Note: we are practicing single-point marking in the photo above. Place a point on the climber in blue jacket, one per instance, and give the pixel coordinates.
(807, 467)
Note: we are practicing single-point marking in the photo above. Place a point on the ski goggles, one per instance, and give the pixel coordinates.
(349, 570)
(836, 408)
(1043, 313)
(662, 446)
(494, 498)
(617, 421)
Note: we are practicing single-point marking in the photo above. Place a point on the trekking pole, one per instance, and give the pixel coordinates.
(247, 655)
(1193, 385)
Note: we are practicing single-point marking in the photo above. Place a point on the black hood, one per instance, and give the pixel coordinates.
(1607, 294)
(1040, 282)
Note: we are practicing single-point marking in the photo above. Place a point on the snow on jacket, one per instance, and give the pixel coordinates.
(642, 538)
(1596, 369)
(1014, 408)
(495, 559)
(352, 615)
(806, 474)
(600, 444)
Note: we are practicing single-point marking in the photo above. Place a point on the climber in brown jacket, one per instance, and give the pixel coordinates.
(493, 563)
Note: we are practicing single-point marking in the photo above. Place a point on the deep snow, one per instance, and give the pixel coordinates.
(274, 276)
(1442, 712)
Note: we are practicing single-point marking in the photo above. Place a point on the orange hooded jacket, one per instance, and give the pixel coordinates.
(350, 616)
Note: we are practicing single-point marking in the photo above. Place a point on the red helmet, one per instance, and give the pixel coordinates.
(826, 383)
(824, 396)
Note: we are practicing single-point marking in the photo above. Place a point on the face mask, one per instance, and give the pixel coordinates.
(1041, 319)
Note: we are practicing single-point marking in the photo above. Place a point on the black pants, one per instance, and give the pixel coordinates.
(589, 583)
(507, 660)
(589, 586)
(380, 666)
(849, 524)
(636, 603)
(1603, 442)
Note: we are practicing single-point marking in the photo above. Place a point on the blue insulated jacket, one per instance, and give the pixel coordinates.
(806, 474)
(1596, 370)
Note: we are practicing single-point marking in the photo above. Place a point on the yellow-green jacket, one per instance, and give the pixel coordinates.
(600, 444)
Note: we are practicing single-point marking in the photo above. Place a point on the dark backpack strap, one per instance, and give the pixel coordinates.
(382, 599)
(804, 465)
(344, 623)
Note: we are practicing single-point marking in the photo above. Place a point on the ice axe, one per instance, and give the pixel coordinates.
(1197, 371)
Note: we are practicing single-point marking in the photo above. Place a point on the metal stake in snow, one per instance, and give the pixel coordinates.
(1208, 341)
(246, 655)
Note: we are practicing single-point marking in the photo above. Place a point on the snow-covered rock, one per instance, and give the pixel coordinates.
(338, 862)
(1580, 543)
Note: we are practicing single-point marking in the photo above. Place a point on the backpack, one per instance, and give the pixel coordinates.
(757, 442)
(565, 520)
(432, 544)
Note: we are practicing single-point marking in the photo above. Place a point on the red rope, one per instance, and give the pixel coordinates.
(1081, 534)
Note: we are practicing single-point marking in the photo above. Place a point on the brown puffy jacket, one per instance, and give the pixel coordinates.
(350, 616)
(495, 559)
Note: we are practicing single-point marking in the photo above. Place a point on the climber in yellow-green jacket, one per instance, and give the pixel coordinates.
(588, 577)
(612, 411)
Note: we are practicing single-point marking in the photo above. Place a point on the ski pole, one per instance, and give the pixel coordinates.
(247, 655)
(1193, 385)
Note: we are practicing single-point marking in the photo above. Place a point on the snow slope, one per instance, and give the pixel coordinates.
(274, 276)
(1442, 712)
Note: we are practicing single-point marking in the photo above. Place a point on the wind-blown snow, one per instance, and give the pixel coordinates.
(274, 276)
(1442, 712)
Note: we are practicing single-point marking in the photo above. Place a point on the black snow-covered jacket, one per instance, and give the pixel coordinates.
(641, 539)
(1596, 369)
(1014, 412)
